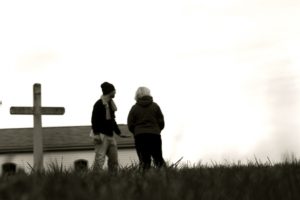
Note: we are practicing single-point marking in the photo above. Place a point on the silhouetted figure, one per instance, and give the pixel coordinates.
(146, 121)
(103, 128)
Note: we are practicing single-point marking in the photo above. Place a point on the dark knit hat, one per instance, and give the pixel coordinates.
(107, 88)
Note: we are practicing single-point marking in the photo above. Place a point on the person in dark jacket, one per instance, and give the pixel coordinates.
(146, 121)
(103, 128)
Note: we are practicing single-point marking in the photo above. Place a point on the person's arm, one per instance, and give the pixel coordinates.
(160, 118)
(96, 119)
(116, 128)
(131, 120)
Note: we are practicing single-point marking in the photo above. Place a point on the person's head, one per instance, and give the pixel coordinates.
(141, 92)
(108, 89)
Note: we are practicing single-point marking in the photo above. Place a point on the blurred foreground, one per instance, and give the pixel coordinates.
(255, 180)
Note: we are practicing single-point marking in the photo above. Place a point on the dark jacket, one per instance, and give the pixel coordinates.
(99, 122)
(145, 117)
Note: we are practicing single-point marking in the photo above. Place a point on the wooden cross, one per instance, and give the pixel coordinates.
(37, 111)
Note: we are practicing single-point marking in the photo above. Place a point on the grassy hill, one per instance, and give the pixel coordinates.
(252, 181)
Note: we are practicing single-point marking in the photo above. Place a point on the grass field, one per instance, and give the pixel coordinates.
(232, 181)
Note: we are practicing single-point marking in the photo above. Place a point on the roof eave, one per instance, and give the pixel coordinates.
(59, 149)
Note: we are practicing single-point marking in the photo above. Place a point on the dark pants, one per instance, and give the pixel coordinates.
(149, 145)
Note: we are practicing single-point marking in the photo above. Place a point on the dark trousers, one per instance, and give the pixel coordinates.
(149, 146)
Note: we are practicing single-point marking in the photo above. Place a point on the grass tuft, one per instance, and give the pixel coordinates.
(255, 180)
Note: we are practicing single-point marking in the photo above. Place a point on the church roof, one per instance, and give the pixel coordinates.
(69, 138)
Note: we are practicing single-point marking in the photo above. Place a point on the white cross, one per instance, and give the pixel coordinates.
(37, 111)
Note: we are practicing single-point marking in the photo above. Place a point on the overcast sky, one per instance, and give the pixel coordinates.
(226, 73)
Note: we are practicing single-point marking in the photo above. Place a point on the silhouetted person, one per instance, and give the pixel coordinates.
(103, 128)
(146, 121)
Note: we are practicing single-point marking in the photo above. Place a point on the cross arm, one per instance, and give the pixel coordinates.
(21, 110)
(30, 111)
(53, 110)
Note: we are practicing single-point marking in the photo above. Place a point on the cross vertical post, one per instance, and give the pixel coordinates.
(37, 128)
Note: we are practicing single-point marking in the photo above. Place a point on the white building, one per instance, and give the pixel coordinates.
(70, 146)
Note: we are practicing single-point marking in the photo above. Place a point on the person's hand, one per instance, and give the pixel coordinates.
(98, 139)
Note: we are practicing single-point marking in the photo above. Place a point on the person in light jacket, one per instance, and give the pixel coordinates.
(146, 121)
(103, 128)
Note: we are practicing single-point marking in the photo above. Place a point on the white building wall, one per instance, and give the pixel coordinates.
(25, 160)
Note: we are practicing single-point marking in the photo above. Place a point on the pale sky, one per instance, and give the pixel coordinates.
(226, 73)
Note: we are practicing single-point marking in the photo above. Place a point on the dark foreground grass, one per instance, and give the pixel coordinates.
(254, 181)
